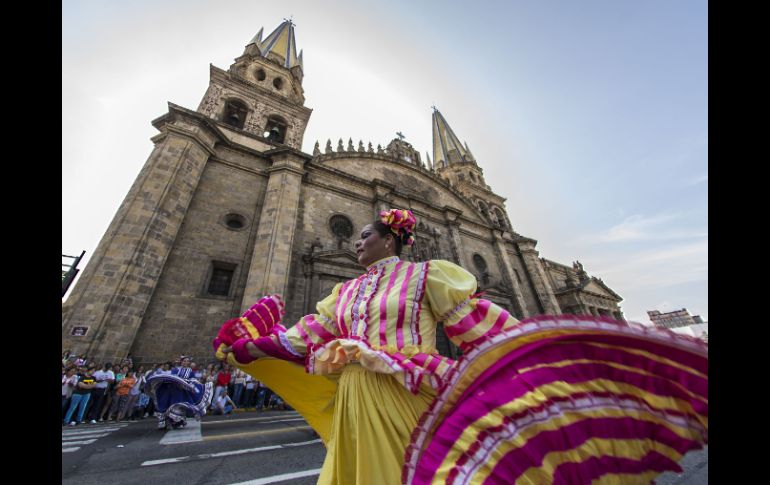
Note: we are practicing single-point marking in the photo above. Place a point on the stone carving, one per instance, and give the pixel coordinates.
(340, 147)
(350, 145)
(370, 149)
(379, 149)
(361, 146)
(316, 150)
(329, 146)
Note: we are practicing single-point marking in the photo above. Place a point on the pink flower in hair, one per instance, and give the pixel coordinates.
(400, 221)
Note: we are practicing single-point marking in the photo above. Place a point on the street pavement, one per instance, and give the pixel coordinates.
(245, 448)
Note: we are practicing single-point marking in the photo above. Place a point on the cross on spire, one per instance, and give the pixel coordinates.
(290, 20)
(400, 135)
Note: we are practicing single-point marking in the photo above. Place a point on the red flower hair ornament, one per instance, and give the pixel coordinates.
(401, 222)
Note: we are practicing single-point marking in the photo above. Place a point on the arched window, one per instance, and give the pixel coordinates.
(484, 209)
(275, 129)
(342, 228)
(500, 217)
(479, 262)
(235, 113)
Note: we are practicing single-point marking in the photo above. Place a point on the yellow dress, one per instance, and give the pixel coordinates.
(371, 367)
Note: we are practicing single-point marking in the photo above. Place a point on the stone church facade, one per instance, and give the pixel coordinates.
(228, 208)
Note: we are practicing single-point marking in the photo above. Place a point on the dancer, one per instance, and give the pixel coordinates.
(178, 394)
(548, 399)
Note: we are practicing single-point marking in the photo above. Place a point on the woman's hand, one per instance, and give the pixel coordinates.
(250, 347)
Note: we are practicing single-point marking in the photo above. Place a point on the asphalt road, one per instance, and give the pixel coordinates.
(247, 448)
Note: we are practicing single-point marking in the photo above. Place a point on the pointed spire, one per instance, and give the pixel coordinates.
(329, 146)
(361, 146)
(257, 40)
(370, 149)
(281, 42)
(468, 153)
(447, 148)
(316, 150)
(430, 164)
(379, 148)
(340, 147)
(351, 148)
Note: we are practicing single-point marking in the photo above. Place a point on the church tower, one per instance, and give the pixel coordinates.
(454, 162)
(262, 93)
(208, 225)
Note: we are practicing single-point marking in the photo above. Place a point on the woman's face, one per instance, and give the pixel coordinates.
(185, 362)
(372, 247)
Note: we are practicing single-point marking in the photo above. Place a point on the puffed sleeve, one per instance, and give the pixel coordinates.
(316, 328)
(467, 320)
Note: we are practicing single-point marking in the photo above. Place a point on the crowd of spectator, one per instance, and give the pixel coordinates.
(96, 392)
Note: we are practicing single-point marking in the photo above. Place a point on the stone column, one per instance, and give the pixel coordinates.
(117, 284)
(539, 279)
(507, 270)
(271, 258)
(451, 216)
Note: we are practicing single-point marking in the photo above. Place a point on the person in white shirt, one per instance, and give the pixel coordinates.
(221, 406)
(104, 378)
(68, 381)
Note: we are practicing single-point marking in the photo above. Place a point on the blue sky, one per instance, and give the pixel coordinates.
(591, 118)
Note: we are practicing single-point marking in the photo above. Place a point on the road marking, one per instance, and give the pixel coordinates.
(227, 453)
(84, 442)
(261, 418)
(70, 450)
(87, 431)
(189, 434)
(89, 435)
(281, 478)
(261, 422)
(255, 433)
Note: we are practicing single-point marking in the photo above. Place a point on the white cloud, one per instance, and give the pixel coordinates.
(644, 228)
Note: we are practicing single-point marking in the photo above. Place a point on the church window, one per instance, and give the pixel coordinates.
(500, 217)
(235, 221)
(275, 129)
(342, 228)
(221, 278)
(235, 114)
(261, 74)
(278, 83)
(478, 260)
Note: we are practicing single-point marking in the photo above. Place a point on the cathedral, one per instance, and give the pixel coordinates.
(228, 208)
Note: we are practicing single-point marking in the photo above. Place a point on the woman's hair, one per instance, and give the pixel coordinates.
(383, 230)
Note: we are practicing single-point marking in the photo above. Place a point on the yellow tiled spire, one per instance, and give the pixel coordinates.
(281, 42)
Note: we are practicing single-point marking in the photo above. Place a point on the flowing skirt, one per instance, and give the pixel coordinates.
(175, 397)
(565, 399)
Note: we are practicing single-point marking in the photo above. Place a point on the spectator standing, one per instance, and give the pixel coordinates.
(80, 396)
(68, 382)
(133, 396)
(122, 392)
(104, 378)
(239, 381)
(112, 412)
(248, 400)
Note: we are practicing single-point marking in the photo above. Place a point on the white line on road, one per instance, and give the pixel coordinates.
(86, 431)
(227, 453)
(262, 422)
(84, 442)
(262, 418)
(281, 478)
(189, 434)
(89, 435)
(70, 450)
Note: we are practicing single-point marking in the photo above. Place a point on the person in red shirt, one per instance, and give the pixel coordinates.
(223, 380)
